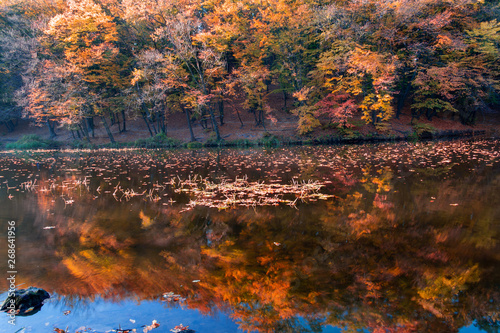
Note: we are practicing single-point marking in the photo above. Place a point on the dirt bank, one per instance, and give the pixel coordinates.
(285, 127)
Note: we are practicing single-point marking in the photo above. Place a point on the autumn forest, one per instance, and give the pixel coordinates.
(74, 64)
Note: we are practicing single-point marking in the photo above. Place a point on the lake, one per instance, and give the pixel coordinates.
(396, 237)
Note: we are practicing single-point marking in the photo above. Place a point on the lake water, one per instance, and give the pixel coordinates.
(379, 238)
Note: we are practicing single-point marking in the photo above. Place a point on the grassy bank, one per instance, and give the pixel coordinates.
(422, 133)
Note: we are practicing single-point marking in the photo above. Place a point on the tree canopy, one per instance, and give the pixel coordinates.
(67, 62)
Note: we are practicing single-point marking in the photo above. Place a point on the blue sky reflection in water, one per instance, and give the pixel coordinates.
(128, 314)
(393, 236)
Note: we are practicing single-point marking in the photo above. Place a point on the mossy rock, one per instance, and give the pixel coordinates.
(26, 302)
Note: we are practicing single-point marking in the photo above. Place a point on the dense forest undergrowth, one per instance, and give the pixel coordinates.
(283, 132)
(163, 73)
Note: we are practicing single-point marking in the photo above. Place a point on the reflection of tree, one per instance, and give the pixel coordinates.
(383, 256)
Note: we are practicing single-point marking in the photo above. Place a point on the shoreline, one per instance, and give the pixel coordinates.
(161, 141)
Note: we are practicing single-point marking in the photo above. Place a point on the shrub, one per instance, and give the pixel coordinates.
(158, 141)
(240, 143)
(269, 140)
(212, 141)
(32, 141)
(194, 145)
(82, 144)
(424, 131)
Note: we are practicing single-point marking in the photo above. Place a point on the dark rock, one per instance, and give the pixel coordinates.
(425, 135)
(26, 302)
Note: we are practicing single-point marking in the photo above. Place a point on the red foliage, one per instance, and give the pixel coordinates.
(338, 107)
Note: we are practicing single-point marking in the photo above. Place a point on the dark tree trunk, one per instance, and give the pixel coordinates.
(261, 118)
(402, 97)
(221, 112)
(255, 116)
(10, 125)
(165, 116)
(430, 114)
(110, 135)
(203, 119)
(124, 129)
(85, 134)
(284, 99)
(119, 123)
(214, 124)
(50, 125)
(152, 123)
(91, 125)
(147, 124)
(238, 114)
(189, 123)
(85, 127)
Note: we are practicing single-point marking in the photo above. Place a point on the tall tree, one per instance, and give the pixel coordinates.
(88, 39)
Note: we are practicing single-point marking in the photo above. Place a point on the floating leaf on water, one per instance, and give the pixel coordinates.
(180, 328)
(153, 325)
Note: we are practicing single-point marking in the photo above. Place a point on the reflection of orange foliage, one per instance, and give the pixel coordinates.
(101, 271)
(349, 259)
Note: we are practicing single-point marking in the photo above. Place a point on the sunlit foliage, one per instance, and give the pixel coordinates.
(355, 59)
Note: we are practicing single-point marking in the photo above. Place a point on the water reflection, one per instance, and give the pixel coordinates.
(393, 238)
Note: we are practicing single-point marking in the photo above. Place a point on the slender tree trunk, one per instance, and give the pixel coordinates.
(10, 125)
(402, 98)
(50, 125)
(160, 122)
(165, 116)
(189, 123)
(124, 129)
(119, 123)
(84, 133)
(90, 125)
(154, 127)
(203, 120)
(255, 117)
(238, 114)
(214, 124)
(221, 112)
(261, 118)
(85, 127)
(110, 135)
(284, 99)
(147, 124)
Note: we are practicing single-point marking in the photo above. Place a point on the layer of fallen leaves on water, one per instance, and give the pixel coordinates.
(144, 329)
(128, 174)
(201, 191)
(241, 192)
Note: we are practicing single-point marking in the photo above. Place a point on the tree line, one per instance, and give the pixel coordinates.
(72, 63)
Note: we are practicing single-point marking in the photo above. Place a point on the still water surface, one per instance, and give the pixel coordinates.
(383, 238)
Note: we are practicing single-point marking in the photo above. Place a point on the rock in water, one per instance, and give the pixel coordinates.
(25, 302)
